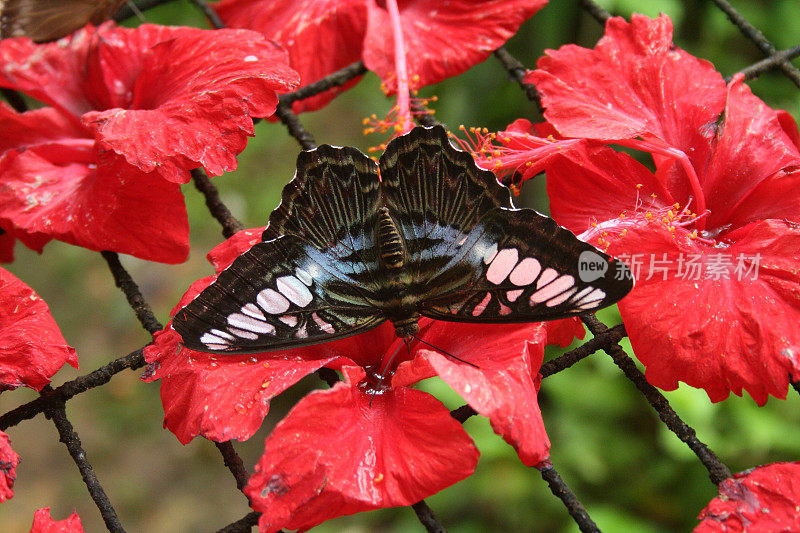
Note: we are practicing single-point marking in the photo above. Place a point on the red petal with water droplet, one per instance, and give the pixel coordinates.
(32, 348)
(634, 83)
(8, 468)
(502, 388)
(750, 148)
(222, 255)
(166, 99)
(722, 335)
(57, 191)
(220, 397)
(44, 523)
(307, 29)
(194, 99)
(335, 454)
(761, 500)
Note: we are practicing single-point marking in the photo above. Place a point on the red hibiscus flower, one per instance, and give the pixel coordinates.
(132, 111)
(44, 523)
(410, 445)
(437, 40)
(712, 233)
(8, 468)
(31, 346)
(765, 498)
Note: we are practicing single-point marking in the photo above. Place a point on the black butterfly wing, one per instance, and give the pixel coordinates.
(313, 278)
(519, 266)
(473, 256)
(282, 293)
(437, 195)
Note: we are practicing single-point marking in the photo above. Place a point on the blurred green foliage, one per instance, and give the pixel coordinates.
(628, 470)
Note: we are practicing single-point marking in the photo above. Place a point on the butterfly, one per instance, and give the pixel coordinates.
(47, 20)
(425, 232)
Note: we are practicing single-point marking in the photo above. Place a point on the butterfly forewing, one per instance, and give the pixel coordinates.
(280, 294)
(437, 195)
(332, 203)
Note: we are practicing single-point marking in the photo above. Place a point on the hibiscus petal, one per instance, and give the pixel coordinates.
(306, 29)
(44, 523)
(722, 335)
(222, 255)
(341, 451)
(59, 192)
(633, 83)
(765, 498)
(31, 346)
(442, 40)
(220, 398)
(502, 388)
(750, 147)
(777, 196)
(616, 183)
(193, 99)
(8, 468)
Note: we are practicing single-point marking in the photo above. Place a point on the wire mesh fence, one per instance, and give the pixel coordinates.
(54, 402)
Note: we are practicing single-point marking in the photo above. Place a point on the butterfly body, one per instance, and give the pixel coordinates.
(424, 233)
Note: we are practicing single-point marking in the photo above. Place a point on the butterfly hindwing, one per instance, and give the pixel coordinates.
(519, 266)
(281, 293)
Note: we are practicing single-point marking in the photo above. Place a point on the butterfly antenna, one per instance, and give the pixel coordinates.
(444, 352)
(136, 11)
(387, 365)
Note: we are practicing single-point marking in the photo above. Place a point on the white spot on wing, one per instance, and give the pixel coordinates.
(272, 302)
(513, 295)
(243, 334)
(525, 272)
(208, 339)
(591, 300)
(547, 276)
(481, 307)
(490, 253)
(502, 265)
(303, 276)
(253, 311)
(324, 326)
(552, 289)
(289, 320)
(561, 298)
(220, 333)
(294, 290)
(250, 324)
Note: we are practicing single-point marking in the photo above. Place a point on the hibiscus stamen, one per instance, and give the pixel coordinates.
(672, 217)
(419, 107)
(657, 147)
(511, 154)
